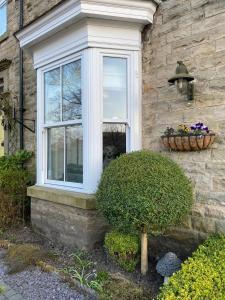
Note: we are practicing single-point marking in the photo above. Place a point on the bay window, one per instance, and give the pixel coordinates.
(115, 118)
(88, 115)
(63, 124)
(3, 17)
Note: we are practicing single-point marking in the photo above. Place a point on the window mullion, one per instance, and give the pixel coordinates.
(65, 154)
(61, 85)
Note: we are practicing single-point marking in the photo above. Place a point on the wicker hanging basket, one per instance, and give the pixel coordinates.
(188, 143)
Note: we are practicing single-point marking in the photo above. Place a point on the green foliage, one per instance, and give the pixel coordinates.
(14, 180)
(19, 257)
(15, 161)
(144, 189)
(202, 276)
(83, 270)
(119, 288)
(123, 249)
(2, 289)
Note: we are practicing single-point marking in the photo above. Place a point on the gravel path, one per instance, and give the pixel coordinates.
(33, 284)
(36, 285)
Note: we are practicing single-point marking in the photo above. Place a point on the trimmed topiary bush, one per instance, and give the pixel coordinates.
(142, 191)
(123, 248)
(202, 276)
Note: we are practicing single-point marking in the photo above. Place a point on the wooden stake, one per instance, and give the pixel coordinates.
(144, 252)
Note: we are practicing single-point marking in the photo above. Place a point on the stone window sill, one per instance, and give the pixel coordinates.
(83, 201)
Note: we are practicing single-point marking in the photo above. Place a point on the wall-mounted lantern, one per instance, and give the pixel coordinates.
(183, 81)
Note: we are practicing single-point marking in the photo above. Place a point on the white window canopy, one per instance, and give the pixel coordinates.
(139, 12)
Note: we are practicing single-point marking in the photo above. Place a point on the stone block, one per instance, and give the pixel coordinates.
(220, 227)
(205, 225)
(66, 225)
(219, 184)
(220, 44)
(215, 211)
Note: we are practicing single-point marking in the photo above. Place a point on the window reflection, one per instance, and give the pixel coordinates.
(114, 88)
(114, 142)
(3, 18)
(72, 106)
(56, 154)
(52, 96)
(74, 154)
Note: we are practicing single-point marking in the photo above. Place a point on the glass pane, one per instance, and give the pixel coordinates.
(3, 19)
(114, 142)
(56, 154)
(52, 96)
(72, 106)
(74, 154)
(114, 88)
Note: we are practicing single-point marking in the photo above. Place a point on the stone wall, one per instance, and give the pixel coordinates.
(32, 10)
(66, 225)
(9, 49)
(192, 31)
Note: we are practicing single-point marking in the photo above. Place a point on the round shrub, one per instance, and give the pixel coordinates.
(144, 189)
(123, 248)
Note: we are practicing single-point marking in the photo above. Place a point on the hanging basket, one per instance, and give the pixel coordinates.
(188, 143)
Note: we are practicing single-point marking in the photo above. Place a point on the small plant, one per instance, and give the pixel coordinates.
(2, 289)
(202, 276)
(16, 160)
(169, 131)
(184, 130)
(119, 288)
(84, 271)
(45, 267)
(144, 191)
(199, 129)
(14, 180)
(123, 248)
(19, 257)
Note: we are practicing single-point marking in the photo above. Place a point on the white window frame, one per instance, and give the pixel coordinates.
(4, 3)
(92, 114)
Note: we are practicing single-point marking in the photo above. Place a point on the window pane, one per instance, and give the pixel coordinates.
(52, 96)
(114, 142)
(114, 88)
(74, 154)
(3, 19)
(72, 106)
(56, 154)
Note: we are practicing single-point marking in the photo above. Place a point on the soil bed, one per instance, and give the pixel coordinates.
(63, 259)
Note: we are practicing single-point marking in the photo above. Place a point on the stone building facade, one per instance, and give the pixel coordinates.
(189, 30)
(9, 50)
(193, 32)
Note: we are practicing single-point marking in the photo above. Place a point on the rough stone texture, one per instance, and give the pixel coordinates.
(192, 31)
(70, 226)
(79, 200)
(9, 49)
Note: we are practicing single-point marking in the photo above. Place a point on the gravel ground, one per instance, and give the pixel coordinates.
(36, 285)
(33, 284)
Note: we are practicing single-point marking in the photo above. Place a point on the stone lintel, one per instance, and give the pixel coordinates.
(63, 197)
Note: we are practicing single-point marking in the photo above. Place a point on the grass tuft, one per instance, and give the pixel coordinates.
(19, 257)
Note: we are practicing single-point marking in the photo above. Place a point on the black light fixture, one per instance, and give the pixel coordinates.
(183, 81)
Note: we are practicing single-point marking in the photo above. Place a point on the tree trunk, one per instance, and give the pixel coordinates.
(144, 251)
